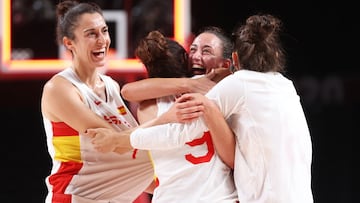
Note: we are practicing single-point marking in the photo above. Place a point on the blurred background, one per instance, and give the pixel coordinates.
(321, 40)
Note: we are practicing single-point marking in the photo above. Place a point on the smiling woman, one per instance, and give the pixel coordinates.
(80, 97)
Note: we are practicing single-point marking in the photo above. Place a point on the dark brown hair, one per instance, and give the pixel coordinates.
(68, 13)
(258, 45)
(162, 57)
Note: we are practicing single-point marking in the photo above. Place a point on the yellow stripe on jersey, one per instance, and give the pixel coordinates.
(67, 148)
(153, 164)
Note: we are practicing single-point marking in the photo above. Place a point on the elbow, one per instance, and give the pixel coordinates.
(126, 93)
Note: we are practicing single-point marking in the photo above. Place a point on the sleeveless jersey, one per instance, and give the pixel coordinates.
(187, 167)
(79, 173)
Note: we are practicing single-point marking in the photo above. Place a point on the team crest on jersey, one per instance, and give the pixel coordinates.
(122, 110)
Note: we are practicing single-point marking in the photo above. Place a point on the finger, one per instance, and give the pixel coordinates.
(102, 149)
(211, 74)
(190, 117)
(122, 150)
(189, 104)
(98, 148)
(184, 98)
(90, 132)
(191, 109)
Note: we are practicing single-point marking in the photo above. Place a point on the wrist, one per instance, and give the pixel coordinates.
(211, 108)
(185, 85)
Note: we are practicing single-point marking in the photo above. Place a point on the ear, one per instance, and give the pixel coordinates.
(68, 43)
(226, 63)
(235, 60)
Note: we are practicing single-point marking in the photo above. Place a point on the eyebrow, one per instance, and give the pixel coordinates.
(88, 29)
(208, 46)
(92, 29)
